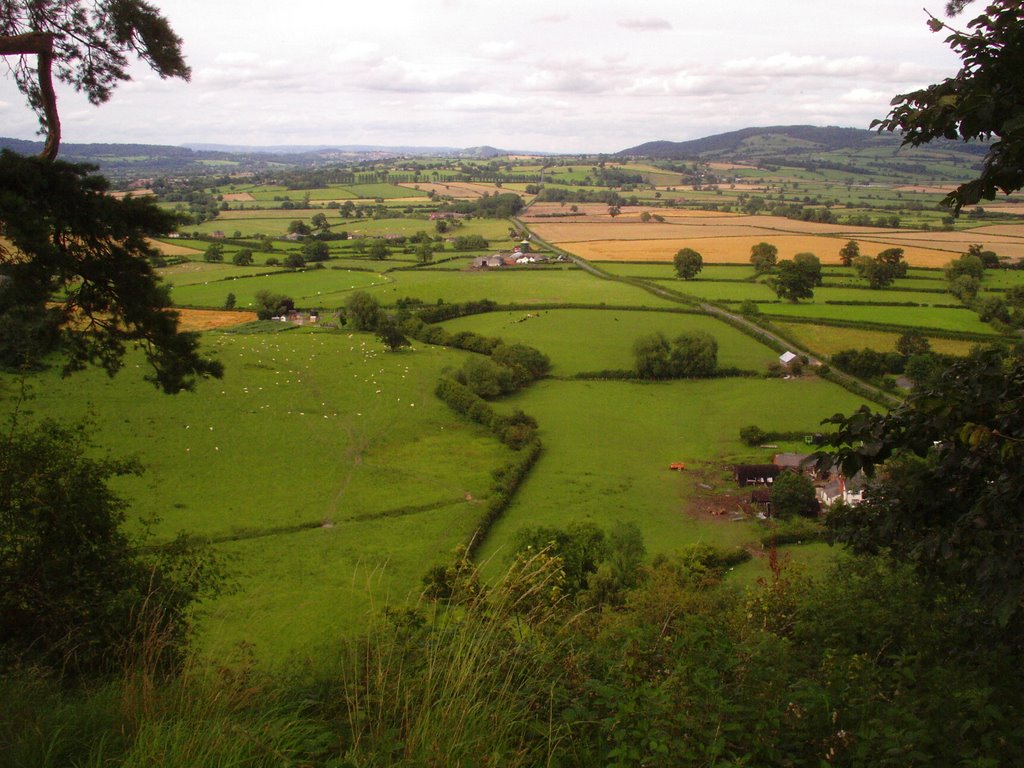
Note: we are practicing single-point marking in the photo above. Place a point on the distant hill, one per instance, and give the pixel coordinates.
(777, 140)
(308, 149)
(135, 160)
(852, 150)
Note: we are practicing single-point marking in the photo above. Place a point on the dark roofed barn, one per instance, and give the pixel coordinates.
(755, 474)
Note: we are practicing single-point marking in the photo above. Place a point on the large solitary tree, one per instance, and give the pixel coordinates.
(688, 263)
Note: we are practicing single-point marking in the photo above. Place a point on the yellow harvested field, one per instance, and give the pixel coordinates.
(542, 212)
(732, 250)
(467, 190)
(827, 340)
(727, 166)
(630, 231)
(693, 224)
(951, 244)
(1010, 230)
(133, 193)
(1017, 209)
(211, 319)
(270, 213)
(170, 249)
(936, 189)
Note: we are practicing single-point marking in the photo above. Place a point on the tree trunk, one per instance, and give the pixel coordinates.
(40, 44)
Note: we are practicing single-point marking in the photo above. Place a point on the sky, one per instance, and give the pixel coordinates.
(565, 76)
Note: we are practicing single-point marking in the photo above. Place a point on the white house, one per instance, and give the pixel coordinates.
(840, 489)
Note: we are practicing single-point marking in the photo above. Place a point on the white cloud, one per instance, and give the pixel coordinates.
(484, 102)
(552, 18)
(564, 80)
(646, 25)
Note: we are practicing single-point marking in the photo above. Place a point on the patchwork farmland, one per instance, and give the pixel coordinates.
(329, 474)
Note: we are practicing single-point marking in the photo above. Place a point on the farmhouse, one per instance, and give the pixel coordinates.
(849, 491)
(787, 357)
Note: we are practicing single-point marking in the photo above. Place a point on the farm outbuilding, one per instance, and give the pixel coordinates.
(755, 474)
(762, 497)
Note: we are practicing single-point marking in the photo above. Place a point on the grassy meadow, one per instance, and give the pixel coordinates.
(607, 336)
(323, 466)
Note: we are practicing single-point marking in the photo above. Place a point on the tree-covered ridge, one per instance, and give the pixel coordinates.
(791, 141)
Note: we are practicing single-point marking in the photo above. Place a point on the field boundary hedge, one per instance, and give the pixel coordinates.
(629, 375)
(507, 480)
(870, 326)
(508, 477)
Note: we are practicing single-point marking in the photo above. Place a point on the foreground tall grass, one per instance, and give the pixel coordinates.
(449, 683)
(864, 666)
(460, 685)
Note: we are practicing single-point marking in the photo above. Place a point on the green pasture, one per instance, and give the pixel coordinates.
(907, 283)
(281, 249)
(665, 271)
(712, 290)
(1003, 278)
(447, 260)
(809, 559)
(305, 429)
(513, 285)
(939, 319)
(277, 193)
(587, 340)
(385, 191)
(495, 231)
(275, 224)
(297, 594)
(608, 446)
(251, 226)
(311, 288)
(202, 272)
(829, 339)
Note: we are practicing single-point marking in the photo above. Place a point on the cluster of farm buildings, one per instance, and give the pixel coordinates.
(829, 487)
(518, 256)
